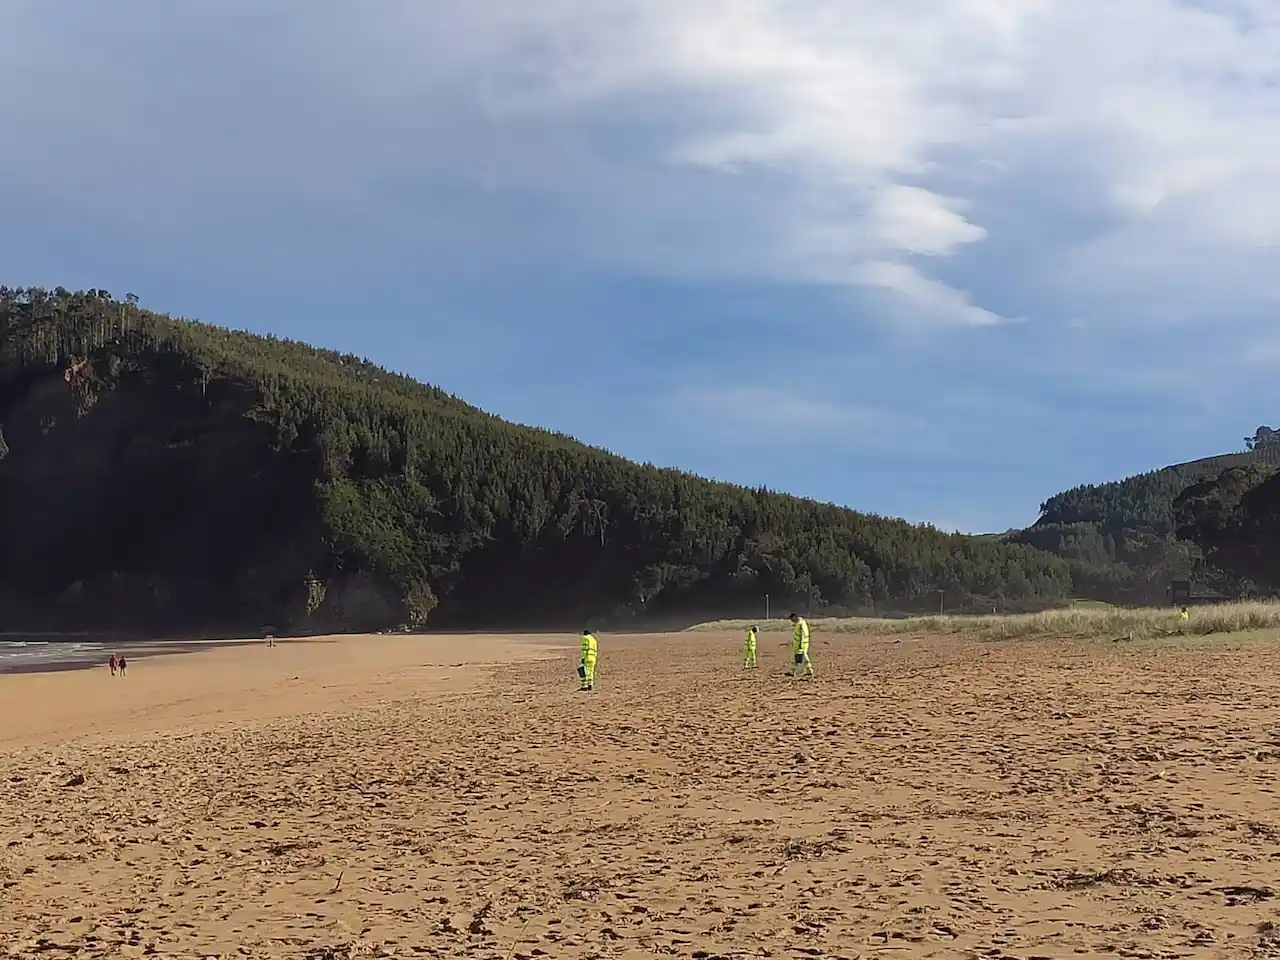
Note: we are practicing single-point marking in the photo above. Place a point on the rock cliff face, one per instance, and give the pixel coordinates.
(152, 496)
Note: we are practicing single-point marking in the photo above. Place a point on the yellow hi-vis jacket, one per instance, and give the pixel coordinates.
(800, 636)
(751, 640)
(589, 652)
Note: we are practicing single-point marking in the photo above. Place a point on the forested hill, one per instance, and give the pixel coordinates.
(161, 473)
(1132, 523)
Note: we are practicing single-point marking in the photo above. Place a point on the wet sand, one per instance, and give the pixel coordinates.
(53, 656)
(422, 796)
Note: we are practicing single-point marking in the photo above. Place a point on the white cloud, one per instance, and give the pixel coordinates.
(825, 131)
(923, 297)
(872, 145)
(913, 220)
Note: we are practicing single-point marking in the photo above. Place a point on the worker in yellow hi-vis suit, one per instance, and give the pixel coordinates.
(753, 635)
(587, 663)
(1184, 619)
(800, 647)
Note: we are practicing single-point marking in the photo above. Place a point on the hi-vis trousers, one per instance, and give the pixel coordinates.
(802, 664)
(587, 672)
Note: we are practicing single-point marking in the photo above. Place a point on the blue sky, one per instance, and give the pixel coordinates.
(928, 258)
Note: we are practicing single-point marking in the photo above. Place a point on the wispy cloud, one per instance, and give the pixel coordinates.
(805, 142)
(921, 297)
(835, 141)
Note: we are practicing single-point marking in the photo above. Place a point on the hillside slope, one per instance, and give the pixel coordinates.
(1234, 519)
(1131, 524)
(163, 473)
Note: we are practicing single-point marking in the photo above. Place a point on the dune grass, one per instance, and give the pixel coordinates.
(1076, 622)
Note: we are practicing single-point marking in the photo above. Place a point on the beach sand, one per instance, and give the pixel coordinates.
(455, 797)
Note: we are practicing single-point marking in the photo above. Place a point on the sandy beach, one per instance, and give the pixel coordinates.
(456, 797)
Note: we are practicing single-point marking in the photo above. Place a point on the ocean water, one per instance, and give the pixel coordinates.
(35, 652)
(25, 654)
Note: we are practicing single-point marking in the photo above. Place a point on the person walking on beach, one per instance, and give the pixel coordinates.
(121, 664)
(587, 662)
(800, 647)
(753, 635)
(112, 664)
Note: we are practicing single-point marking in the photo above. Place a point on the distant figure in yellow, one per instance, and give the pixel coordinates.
(753, 635)
(800, 647)
(1184, 618)
(587, 663)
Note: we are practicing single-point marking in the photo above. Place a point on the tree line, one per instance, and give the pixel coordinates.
(1126, 532)
(158, 469)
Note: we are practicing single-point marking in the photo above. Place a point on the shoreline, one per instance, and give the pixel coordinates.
(85, 659)
(94, 653)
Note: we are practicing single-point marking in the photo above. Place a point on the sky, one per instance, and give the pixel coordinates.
(936, 259)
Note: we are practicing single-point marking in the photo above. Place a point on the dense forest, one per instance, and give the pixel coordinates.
(166, 474)
(1131, 527)
(1234, 520)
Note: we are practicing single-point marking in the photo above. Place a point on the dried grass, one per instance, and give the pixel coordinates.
(1078, 622)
